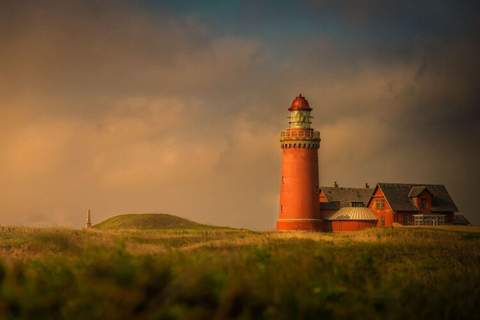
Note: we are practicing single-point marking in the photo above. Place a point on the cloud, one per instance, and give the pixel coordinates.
(116, 108)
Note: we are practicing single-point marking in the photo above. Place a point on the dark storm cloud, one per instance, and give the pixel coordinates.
(124, 106)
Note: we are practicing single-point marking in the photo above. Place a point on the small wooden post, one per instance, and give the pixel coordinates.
(88, 224)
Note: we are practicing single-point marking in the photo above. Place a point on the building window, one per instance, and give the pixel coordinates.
(380, 204)
(358, 204)
(382, 221)
(423, 203)
(428, 219)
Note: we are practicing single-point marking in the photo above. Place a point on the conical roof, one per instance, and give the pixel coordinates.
(353, 213)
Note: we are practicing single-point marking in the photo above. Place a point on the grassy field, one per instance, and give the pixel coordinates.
(401, 273)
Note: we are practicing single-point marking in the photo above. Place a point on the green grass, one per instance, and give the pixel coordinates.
(148, 221)
(404, 273)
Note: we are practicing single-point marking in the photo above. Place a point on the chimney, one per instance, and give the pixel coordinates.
(367, 185)
(88, 224)
(335, 184)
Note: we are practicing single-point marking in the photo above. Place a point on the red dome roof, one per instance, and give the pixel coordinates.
(300, 104)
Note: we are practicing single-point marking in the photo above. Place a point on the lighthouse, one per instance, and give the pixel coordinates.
(299, 197)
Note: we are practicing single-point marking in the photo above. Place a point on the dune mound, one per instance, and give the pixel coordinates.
(147, 221)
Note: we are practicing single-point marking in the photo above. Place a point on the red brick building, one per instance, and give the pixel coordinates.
(412, 204)
(350, 219)
(334, 198)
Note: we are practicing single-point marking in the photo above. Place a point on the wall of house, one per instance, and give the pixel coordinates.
(403, 217)
(385, 214)
(449, 217)
(322, 197)
(425, 195)
(349, 225)
(326, 213)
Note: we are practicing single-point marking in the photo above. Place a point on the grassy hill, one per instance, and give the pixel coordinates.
(215, 273)
(147, 221)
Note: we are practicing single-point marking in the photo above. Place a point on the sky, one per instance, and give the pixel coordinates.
(177, 106)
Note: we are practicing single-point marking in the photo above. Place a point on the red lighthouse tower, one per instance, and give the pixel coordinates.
(299, 203)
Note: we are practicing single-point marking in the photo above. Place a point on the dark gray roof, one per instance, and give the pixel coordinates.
(397, 195)
(340, 197)
(460, 219)
(415, 191)
(332, 205)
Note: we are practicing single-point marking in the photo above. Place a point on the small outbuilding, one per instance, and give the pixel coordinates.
(334, 198)
(351, 219)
